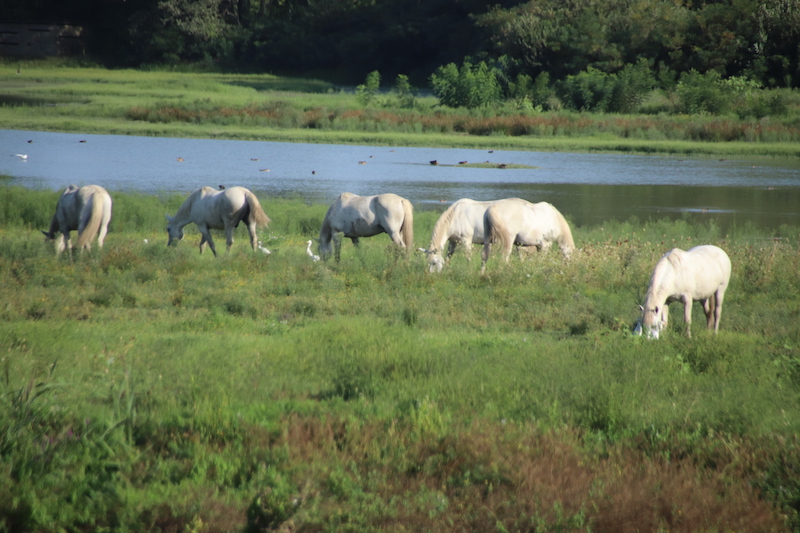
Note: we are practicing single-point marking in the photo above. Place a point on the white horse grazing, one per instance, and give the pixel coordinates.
(210, 208)
(461, 223)
(86, 209)
(701, 273)
(364, 216)
(516, 221)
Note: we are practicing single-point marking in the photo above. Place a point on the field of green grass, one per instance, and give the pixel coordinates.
(151, 388)
(46, 96)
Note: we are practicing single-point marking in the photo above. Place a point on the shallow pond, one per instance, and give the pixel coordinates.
(587, 188)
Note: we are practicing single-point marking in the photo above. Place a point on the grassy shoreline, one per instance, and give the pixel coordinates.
(268, 108)
(253, 392)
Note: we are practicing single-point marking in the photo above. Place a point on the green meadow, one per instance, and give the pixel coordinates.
(56, 96)
(151, 388)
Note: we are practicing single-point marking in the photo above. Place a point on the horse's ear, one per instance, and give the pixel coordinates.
(49, 236)
(423, 250)
(169, 218)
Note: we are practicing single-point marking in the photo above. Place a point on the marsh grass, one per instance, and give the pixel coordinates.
(266, 107)
(259, 392)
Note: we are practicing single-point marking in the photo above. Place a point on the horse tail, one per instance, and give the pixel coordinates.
(408, 225)
(257, 215)
(565, 240)
(497, 231)
(92, 217)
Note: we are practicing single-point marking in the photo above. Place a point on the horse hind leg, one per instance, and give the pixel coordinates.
(101, 236)
(229, 237)
(718, 296)
(253, 235)
(709, 308)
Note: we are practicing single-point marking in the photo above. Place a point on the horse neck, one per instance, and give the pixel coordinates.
(660, 283)
(53, 225)
(565, 239)
(182, 217)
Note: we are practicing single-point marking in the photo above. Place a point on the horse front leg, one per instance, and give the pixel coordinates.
(62, 243)
(451, 249)
(687, 314)
(507, 252)
(337, 247)
(206, 233)
(487, 249)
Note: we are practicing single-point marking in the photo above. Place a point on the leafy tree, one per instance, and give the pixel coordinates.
(631, 85)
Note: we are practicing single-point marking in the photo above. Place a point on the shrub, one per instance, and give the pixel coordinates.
(631, 85)
(702, 93)
(470, 86)
(406, 94)
(367, 91)
(589, 90)
(594, 90)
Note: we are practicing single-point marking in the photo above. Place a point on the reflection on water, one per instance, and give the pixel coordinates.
(588, 188)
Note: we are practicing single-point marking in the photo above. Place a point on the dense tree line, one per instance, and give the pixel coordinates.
(344, 40)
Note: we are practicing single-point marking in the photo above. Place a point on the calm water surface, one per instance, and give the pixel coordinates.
(588, 188)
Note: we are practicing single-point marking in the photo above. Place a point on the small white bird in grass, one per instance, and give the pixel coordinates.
(314, 257)
(263, 249)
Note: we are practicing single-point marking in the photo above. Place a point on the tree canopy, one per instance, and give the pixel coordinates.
(346, 40)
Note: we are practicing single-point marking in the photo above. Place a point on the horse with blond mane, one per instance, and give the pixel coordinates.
(699, 274)
(516, 221)
(461, 223)
(86, 209)
(210, 208)
(365, 216)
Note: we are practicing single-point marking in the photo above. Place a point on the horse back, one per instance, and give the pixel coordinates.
(699, 272)
(711, 267)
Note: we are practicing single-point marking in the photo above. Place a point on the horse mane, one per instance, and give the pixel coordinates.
(675, 258)
(441, 227)
(186, 206)
(670, 262)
